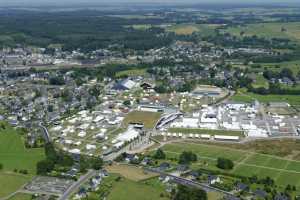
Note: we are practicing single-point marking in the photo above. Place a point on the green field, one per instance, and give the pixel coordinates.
(20, 196)
(188, 29)
(11, 182)
(269, 30)
(130, 190)
(243, 96)
(13, 155)
(149, 119)
(283, 171)
(205, 131)
(132, 72)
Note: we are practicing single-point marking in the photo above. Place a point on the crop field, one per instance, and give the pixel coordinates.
(149, 119)
(289, 30)
(247, 163)
(205, 131)
(188, 29)
(14, 155)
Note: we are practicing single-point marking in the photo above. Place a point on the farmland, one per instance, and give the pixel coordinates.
(247, 163)
(188, 29)
(133, 72)
(149, 119)
(289, 30)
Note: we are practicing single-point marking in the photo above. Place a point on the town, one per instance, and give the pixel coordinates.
(202, 111)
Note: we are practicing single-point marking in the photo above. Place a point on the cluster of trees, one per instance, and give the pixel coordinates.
(87, 31)
(224, 163)
(186, 157)
(189, 193)
(274, 88)
(285, 72)
(56, 80)
(159, 154)
(53, 158)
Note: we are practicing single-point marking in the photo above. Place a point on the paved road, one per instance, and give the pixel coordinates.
(71, 190)
(188, 182)
(46, 133)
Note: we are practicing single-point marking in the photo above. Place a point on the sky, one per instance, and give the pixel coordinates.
(99, 2)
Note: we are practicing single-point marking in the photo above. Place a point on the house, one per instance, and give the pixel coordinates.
(281, 196)
(259, 193)
(212, 179)
(182, 168)
(241, 187)
(146, 86)
(125, 84)
(146, 161)
(164, 166)
(193, 175)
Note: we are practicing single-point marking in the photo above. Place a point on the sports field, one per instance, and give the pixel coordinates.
(132, 72)
(149, 119)
(283, 171)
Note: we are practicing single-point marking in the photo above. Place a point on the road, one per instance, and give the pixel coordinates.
(46, 133)
(75, 187)
(189, 182)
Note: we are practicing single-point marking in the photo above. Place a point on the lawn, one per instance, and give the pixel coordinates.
(247, 163)
(205, 131)
(130, 172)
(14, 155)
(149, 119)
(11, 182)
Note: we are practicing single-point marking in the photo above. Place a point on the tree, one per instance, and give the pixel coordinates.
(96, 163)
(224, 163)
(126, 103)
(188, 193)
(187, 157)
(1, 166)
(45, 166)
(159, 154)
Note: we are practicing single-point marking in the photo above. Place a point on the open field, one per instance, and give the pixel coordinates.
(290, 30)
(132, 72)
(188, 29)
(129, 190)
(205, 131)
(149, 119)
(20, 196)
(11, 182)
(14, 155)
(247, 163)
(260, 82)
(243, 96)
(130, 172)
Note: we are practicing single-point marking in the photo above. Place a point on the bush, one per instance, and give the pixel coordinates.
(224, 163)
